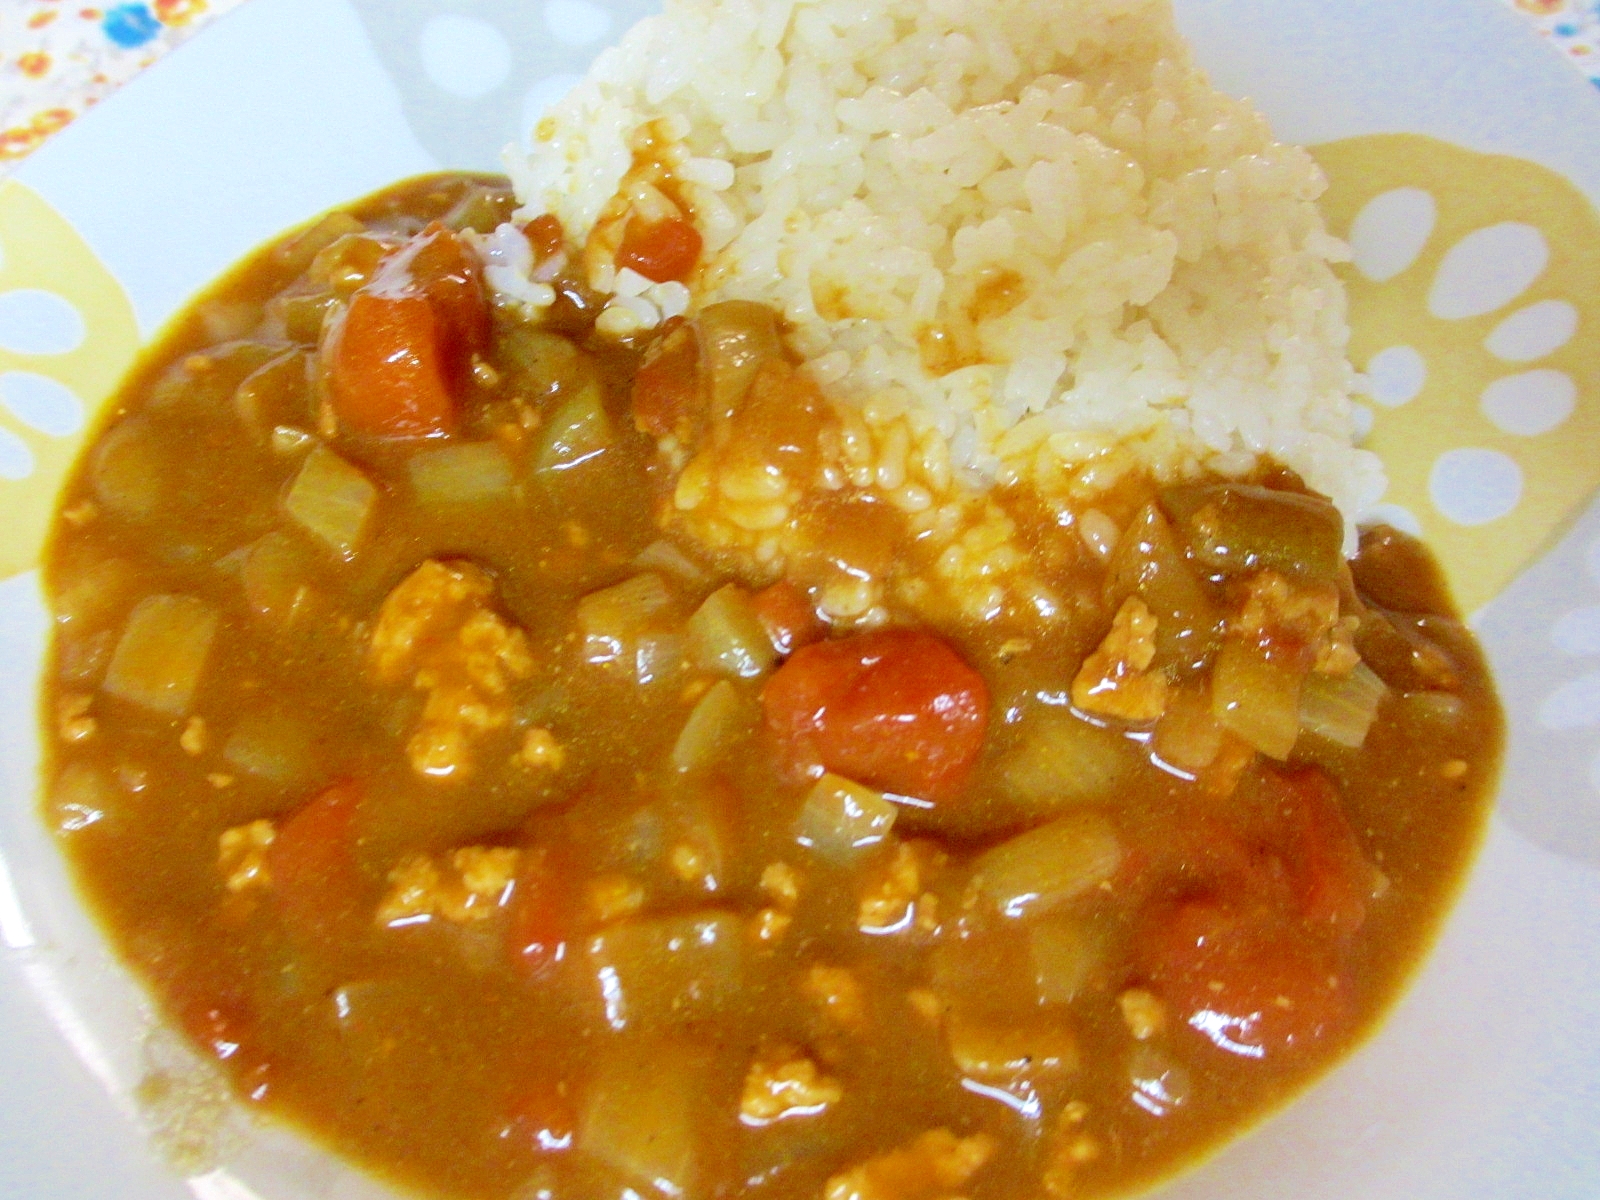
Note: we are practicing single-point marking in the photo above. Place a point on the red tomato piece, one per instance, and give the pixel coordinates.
(898, 710)
(224, 1025)
(386, 373)
(543, 1120)
(666, 388)
(312, 864)
(545, 235)
(1248, 981)
(788, 617)
(540, 926)
(660, 251)
(1332, 879)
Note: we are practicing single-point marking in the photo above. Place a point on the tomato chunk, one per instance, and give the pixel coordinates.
(1332, 878)
(312, 864)
(787, 616)
(540, 925)
(1239, 974)
(660, 251)
(898, 710)
(666, 389)
(542, 1120)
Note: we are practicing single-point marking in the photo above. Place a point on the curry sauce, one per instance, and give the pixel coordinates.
(433, 744)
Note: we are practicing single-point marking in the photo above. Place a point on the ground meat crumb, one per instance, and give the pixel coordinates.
(1116, 680)
(897, 901)
(931, 1167)
(438, 626)
(1143, 1013)
(837, 992)
(467, 886)
(242, 855)
(612, 897)
(785, 1083)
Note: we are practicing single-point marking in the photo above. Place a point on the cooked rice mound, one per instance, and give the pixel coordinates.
(1032, 225)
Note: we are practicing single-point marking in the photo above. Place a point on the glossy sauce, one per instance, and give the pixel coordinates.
(430, 853)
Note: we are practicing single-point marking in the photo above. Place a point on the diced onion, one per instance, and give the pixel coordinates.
(303, 316)
(1049, 865)
(278, 393)
(128, 473)
(1434, 708)
(1188, 737)
(1236, 527)
(331, 500)
(578, 430)
(1147, 562)
(664, 556)
(611, 620)
(162, 654)
(657, 656)
(841, 818)
(79, 797)
(736, 338)
(716, 723)
(542, 363)
(462, 474)
(1158, 1083)
(1257, 697)
(273, 746)
(727, 637)
(656, 971)
(642, 1118)
(1341, 709)
(294, 256)
(1060, 761)
(1064, 957)
(1003, 1052)
(276, 573)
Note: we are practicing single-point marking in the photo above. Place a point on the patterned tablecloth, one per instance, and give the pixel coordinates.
(58, 58)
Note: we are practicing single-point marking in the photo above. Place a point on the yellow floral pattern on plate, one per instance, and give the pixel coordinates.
(1474, 301)
(67, 336)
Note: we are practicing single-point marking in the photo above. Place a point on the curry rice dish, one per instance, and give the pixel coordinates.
(583, 691)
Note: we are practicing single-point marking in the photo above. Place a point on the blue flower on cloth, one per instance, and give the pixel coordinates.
(130, 25)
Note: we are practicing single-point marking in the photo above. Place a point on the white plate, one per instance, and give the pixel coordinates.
(1482, 1084)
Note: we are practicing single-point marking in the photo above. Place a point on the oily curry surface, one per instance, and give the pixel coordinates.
(485, 812)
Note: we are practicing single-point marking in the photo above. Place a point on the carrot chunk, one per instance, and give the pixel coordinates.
(443, 269)
(660, 251)
(397, 356)
(898, 710)
(387, 372)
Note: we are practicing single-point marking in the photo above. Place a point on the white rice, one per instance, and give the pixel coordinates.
(870, 167)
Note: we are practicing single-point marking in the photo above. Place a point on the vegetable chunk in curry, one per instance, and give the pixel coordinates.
(539, 763)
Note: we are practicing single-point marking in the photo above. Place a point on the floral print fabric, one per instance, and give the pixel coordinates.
(58, 58)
